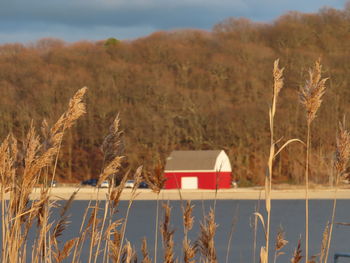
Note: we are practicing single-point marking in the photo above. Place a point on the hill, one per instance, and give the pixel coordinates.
(186, 89)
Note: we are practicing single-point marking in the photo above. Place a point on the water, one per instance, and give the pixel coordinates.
(290, 214)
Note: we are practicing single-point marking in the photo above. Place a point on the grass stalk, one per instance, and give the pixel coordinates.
(156, 230)
(257, 210)
(102, 228)
(311, 97)
(94, 225)
(278, 84)
(307, 193)
(156, 182)
(232, 229)
(342, 154)
(137, 178)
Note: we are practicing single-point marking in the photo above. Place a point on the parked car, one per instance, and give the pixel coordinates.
(143, 185)
(129, 184)
(234, 184)
(91, 182)
(53, 184)
(104, 184)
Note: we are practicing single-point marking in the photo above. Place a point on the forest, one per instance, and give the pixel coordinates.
(186, 89)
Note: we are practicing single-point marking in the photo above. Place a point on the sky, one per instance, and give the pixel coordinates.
(26, 21)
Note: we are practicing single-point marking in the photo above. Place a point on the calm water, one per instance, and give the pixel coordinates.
(289, 214)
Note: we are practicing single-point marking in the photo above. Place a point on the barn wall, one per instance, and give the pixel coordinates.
(206, 180)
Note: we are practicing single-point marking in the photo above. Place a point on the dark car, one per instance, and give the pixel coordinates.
(91, 182)
(143, 185)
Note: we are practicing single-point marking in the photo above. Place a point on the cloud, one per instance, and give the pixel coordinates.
(91, 19)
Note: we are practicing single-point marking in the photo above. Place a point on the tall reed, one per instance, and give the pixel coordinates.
(297, 256)
(278, 84)
(311, 97)
(145, 253)
(168, 236)
(137, 178)
(189, 249)
(156, 182)
(342, 155)
(280, 243)
(20, 170)
(206, 242)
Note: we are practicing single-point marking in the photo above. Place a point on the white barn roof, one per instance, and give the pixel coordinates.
(198, 161)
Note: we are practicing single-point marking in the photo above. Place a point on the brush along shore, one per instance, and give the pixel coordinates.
(254, 193)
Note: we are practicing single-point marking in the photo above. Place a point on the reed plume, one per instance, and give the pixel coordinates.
(312, 92)
(129, 254)
(205, 242)
(113, 237)
(168, 236)
(156, 182)
(113, 144)
(278, 84)
(189, 250)
(342, 155)
(280, 243)
(145, 253)
(8, 158)
(66, 250)
(311, 97)
(188, 219)
(297, 253)
(324, 244)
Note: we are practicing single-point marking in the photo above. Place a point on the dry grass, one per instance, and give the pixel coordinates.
(280, 243)
(324, 244)
(342, 155)
(156, 182)
(145, 254)
(278, 84)
(297, 253)
(21, 168)
(205, 242)
(311, 97)
(168, 236)
(189, 250)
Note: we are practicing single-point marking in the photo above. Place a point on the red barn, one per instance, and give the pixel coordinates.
(198, 170)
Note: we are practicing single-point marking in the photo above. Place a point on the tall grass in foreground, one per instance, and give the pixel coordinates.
(156, 182)
(311, 97)
(277, 86)
(342, 155)
(21, 168)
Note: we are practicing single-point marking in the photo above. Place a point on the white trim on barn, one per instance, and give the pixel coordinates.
(222, 163)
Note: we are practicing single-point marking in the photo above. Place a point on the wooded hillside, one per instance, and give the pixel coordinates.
(186, 89)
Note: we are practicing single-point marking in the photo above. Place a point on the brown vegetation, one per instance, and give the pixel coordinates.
(170, 97)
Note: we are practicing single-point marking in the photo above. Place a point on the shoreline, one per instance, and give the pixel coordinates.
(91, 193)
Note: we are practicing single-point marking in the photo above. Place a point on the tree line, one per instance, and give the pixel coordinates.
(186, 89)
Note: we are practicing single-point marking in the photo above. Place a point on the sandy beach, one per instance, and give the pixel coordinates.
(91, 193)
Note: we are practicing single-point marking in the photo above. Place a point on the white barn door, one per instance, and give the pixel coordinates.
(189, 183)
